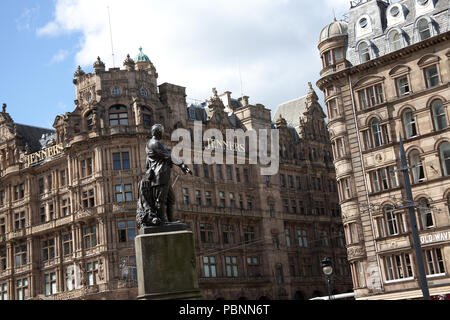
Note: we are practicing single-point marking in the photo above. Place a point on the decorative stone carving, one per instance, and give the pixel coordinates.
(356, 252)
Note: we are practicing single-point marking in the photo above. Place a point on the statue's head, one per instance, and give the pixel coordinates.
(158, 131)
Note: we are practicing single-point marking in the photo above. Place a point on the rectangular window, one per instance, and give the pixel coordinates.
(42, 214)
(219, 171)
(205, 171)
(70, 278)
(50, 284)
(249, 234)
(20, 255)
(246, 176)
(209, 267)
(402, 86)
(238, 175)
(206, 233)
(2, 198)
(288, 238)
(88, 198)
(48, 249)
(127, 231)
(231, 267)
(302, 238)
(121, 161)
(22, 292)
(19, 221)
(3, 291)
(65, 207)
(434, 263)
(3, 259)
(198, 197)
(398, 267)
(208, 198)
(249, 203)
(229, 173)
(232, 200)
(92, 273)
(124, 193)
(371, 96)
(90, 237)
(186, 196)
(128, 270)
(2, 226)
(195, 169)
(431, 76)
(228, 234)
(63, 178)
(221, 199)
(41, 186)
(67, 244)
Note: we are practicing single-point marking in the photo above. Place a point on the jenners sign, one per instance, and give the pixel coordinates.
(42, 155)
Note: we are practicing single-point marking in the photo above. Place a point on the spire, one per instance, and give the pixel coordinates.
(99, 66)
(129, 63)
(312, 95)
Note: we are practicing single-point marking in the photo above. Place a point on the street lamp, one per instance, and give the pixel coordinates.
(327, 268)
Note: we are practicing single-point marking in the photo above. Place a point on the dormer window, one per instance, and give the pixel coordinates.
(118, 115)
(423, 27)
(364, 52)
(422, 2)
(395, 40)
(395, 11)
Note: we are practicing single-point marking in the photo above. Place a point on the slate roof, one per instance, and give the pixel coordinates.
(32, 135)
(291, 111)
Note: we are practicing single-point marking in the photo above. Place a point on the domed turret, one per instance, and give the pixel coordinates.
(333, 46)
(334, 29)
(141, 57)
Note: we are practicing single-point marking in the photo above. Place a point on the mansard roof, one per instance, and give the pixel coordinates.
(292, 111)
(33, 135)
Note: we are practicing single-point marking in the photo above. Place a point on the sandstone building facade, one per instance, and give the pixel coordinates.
(386, 75)
(68, 196)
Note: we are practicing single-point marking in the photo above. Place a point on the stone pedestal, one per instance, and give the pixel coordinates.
(166, 266)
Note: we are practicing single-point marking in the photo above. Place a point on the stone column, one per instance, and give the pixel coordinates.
(166, 266)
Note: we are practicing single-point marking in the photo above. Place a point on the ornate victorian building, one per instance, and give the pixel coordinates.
(386, 75)
(68, 196)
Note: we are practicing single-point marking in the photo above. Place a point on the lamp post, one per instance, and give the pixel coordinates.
(327, 268)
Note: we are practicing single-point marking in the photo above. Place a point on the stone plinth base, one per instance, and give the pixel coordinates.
(166, 266)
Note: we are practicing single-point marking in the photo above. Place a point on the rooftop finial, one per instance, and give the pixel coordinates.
(4, 108)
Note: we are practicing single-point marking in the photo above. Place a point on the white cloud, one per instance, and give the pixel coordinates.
(60, 56)
(27, 18)
(200, 44)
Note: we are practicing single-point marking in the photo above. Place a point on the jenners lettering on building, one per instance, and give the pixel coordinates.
(42, 155)
(435, 237)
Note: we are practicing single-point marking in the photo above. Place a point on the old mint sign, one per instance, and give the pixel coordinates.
(42, 155)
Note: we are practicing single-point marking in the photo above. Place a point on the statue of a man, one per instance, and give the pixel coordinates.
(156, 196)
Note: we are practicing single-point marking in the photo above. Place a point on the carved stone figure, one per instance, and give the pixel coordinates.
(4, 108)
(156, 196)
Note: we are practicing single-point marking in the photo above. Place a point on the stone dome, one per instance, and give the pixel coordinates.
(334, 29)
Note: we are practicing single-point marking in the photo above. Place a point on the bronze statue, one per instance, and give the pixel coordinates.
(156, 196)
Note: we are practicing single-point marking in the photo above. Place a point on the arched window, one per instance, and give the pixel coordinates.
(425, 215)
(89, 121)
(418, 173)
(146, 117)
(376, 132)
(445, 158)
(423, 28)
(409, 122)
(395, 41)
(364, 52)
(440, 121)
(118, 115)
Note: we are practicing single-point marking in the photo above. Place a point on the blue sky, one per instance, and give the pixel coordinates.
(199, 44)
